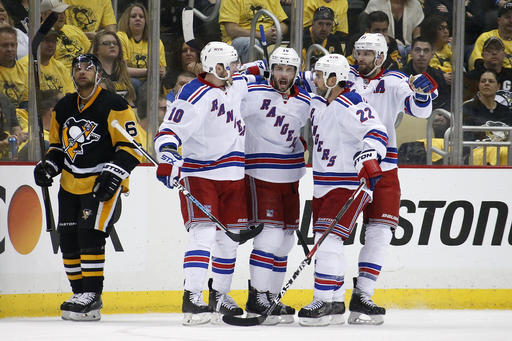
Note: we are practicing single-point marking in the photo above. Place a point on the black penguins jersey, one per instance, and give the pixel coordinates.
(82, 140)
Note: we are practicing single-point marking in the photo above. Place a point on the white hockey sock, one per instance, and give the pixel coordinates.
(197, 255)
(261, 265)
(327, 274)
(223, 262)
(281, 261)
(372, 256)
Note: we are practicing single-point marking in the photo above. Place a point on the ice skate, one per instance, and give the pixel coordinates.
(258, 304)
(286, 313)
(194, 309)
(222, 304)
(65, 307)
(86, 307)
(315, 314)
(337, 311)
(363, 310)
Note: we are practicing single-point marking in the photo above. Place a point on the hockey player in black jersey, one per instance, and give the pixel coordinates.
(94, 161)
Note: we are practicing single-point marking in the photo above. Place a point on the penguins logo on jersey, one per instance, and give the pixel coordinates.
(77, 134)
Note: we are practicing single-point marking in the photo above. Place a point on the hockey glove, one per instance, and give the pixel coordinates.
(43, 174)
(423, 86)
(169, 163)
(368, 168)
(108, 182)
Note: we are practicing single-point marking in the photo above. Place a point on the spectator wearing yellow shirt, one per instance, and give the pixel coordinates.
(133, 34)
(504, 32)
(339, 7)
(13, 75)
(91, 16)
(235, 18)
(71, 41)
(435, 29)
(54, 75)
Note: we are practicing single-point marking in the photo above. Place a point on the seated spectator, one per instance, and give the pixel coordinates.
(107, 47)
(91, 16)
(183, 78)
(21, 36)
(142, 116)
(473, 24)
(435, 29)
(320, 33)
(421, 54)
(46, 102)
(9, 126)
(53, 74)
(18, 12)
(71, 41)
(378, 22)
(184, 59)
(493, 54)
(235, 18)
(504, 32)
(133, 33)
(340, 9)
(484, 107)
(440, 8)
(13, 75)
(407, 15)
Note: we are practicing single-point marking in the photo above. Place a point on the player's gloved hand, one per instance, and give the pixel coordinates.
(169, 163)
(255, 68)
(423, 86)
(43, 174)
(367, 167)
(108, 182)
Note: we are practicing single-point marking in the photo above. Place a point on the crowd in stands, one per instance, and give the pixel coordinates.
(418, 32)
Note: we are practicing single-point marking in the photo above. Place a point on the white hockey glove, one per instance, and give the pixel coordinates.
(423, 86)
(169, 164)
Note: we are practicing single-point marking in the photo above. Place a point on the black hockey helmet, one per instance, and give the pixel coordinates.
(88, 59)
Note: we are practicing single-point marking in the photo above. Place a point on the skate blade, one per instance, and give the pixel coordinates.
(271, 320)
(286, 319)
(363, 319)
(314, 322)
(93, 315)
(337, 319)
(65, 315)
(190, 319)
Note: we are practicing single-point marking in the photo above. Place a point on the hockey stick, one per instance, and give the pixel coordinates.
(241, 238)
(264, 44)
(254, 321)
(38, 37)
(302, 242)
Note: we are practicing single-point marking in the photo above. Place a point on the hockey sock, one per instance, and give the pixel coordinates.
(372, 256)
(223, 262)
(197, 255)
(92, 259)
(71, 258)
(281, 261)
(328, 274)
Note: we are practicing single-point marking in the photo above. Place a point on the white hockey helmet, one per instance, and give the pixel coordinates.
(217, 52)
(333, 63)
(286, 56)
(375, 42)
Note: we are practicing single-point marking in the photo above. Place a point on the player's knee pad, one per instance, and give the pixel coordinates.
(329, 258)
(201, 236)
(91, 239)
(287, 243)
(69, 242)
(269, 240)
(378, 235)
(225, 247)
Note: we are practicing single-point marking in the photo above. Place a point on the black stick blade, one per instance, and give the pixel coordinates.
(244, 322)
(250, 233)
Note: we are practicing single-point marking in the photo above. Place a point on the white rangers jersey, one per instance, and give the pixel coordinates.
(341, 129)
(205, 120)
(273, 149)
(390, 93)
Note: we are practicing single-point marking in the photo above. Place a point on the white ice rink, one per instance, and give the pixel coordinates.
(400, 325)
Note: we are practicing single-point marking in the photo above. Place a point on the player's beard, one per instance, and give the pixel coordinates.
(364, 68)
(282, 84)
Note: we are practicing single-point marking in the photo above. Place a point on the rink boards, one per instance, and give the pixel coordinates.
(451, 250)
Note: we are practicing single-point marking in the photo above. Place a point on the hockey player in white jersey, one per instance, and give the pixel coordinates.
(391, 92)
(205, 120)
(274, 113)
(349, 143)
